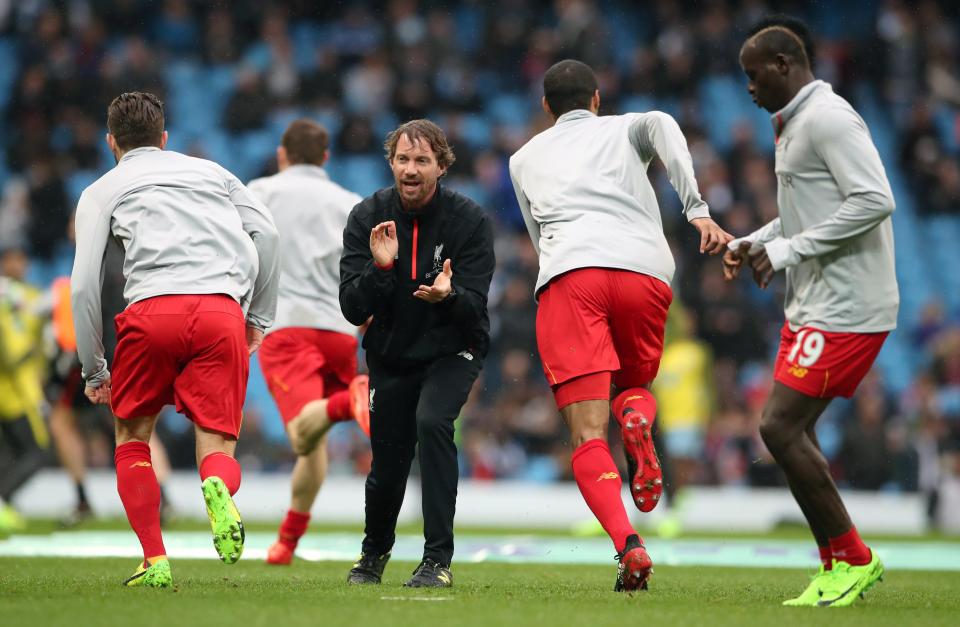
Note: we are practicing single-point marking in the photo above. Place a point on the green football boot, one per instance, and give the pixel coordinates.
(848, 582)
(811, 596)
(11, 521)
(156, 575)
(225, 520)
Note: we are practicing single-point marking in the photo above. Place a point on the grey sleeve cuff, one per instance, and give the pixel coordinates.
(781, 253)
(699, 211)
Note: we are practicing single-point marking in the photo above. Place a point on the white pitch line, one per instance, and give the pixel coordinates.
(416, 598)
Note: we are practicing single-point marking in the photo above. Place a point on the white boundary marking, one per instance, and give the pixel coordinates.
(416, 598)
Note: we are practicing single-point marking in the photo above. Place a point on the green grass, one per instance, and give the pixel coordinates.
(42, 526)
(43, 591)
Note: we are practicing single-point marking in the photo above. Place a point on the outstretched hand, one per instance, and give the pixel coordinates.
(441, 286)
(713, 239)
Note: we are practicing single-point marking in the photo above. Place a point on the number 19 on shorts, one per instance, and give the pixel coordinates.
(807, 348)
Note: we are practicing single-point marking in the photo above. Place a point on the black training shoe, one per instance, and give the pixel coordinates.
(78, 516)
(368, 569)
(430, 574)
(634, 566)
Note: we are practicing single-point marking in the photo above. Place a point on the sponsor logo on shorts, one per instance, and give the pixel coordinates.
(797, 371)
(608, 475)
(140, 464)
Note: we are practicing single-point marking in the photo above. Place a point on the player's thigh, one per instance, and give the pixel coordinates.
(145, 362)
(789, 413)
(824, 364)
(573, 326)
(292, 364)
(637, 323)
(340, 364)
(212, 385)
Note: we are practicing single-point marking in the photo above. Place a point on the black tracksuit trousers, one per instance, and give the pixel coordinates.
(410, 407)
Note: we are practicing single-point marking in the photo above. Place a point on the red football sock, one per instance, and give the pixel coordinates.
(640, 399)
(850, 548)
(826, 557)
(338, 406)
(293, 528)
(140, 494)
(600, 485)
(223, 466)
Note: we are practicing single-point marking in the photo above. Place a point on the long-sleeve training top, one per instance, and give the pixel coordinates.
(310, 212)
(585, 197)
(187, 226)
(834, 235)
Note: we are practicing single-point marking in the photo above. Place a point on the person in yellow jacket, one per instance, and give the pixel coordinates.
(685, 395)
(23, 315)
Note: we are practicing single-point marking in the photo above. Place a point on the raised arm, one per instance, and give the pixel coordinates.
(364, 285)
(656, 134)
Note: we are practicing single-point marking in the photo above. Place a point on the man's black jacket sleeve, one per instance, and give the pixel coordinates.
(364, 288)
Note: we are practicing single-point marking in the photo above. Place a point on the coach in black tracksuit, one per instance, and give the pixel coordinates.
(418, 259)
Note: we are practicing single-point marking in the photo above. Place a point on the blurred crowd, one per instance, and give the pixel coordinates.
(233, 74)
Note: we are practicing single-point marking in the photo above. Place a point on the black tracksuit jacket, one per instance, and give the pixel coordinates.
(408, 332)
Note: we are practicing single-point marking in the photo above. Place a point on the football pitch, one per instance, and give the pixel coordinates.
(510, 579)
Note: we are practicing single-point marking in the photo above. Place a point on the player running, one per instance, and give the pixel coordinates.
(72, 416)
(309, 357)
(604, 284)
(834, 238)
(200, 251)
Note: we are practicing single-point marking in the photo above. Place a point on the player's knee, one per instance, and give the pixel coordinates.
(775, 429)
(138, 430)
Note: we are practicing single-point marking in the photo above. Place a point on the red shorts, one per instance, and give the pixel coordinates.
(596, 320)
(823, 364)
(303, 365)
(190, 351)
